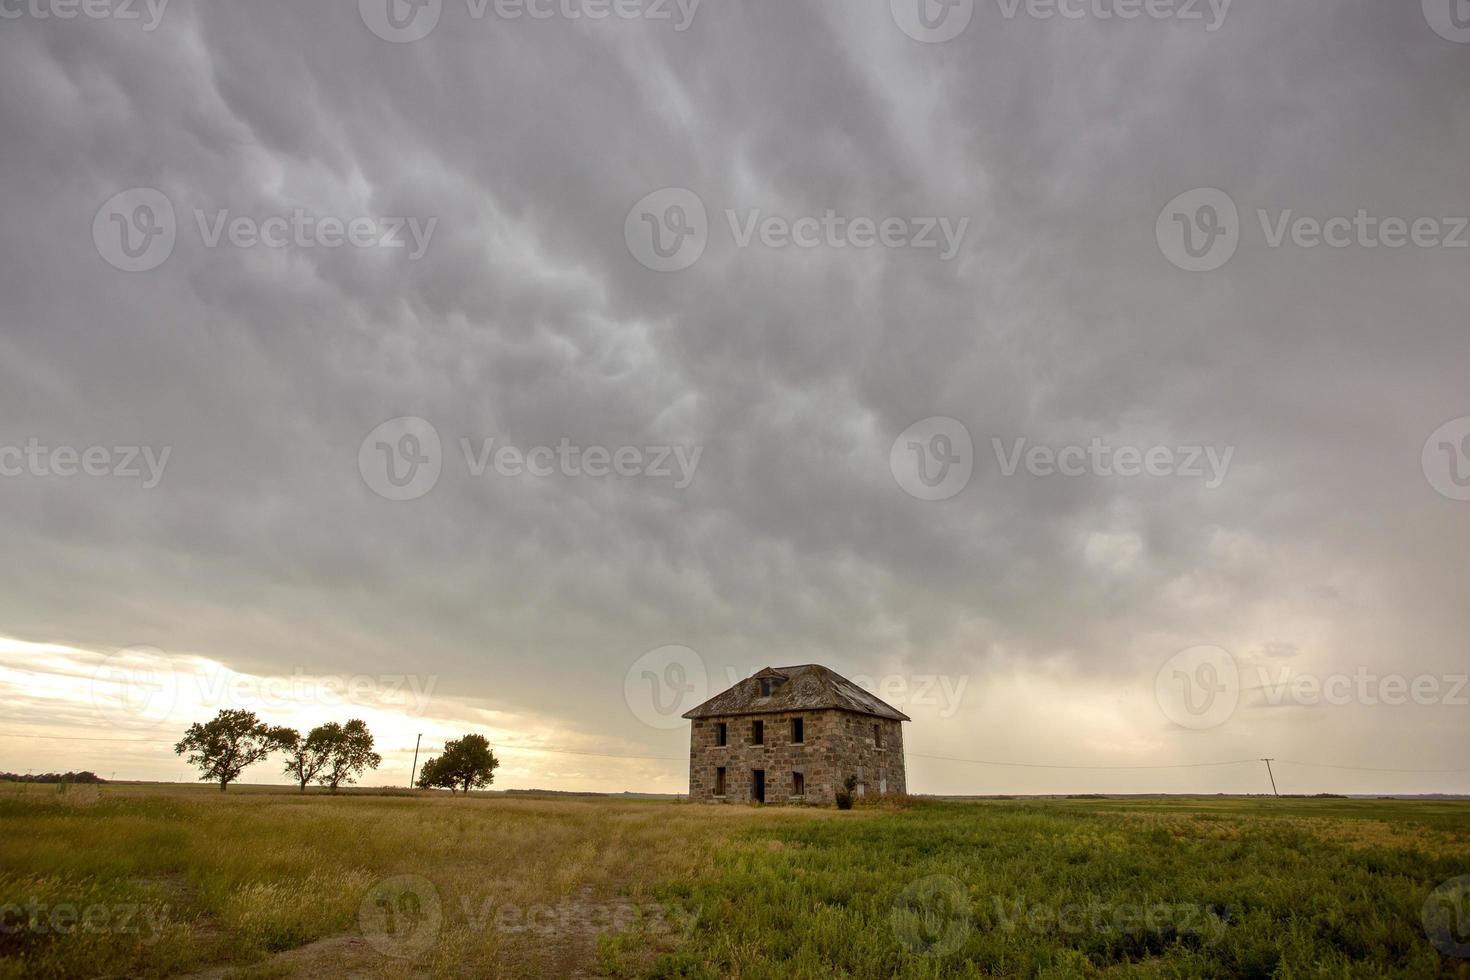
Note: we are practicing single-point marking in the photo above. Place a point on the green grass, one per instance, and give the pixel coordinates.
(1178, 887)
(1084, 888)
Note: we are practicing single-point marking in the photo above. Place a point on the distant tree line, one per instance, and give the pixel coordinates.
(331, 755)
(52, 777)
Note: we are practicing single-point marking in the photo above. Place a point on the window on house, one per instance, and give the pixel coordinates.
(757, 733)
(798, 731)
(720, 781)
(765, 687)
(798, 784)
(878, 736)
(722, 734)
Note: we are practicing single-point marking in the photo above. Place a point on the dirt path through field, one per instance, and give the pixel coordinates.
(337, 958)
(561, 941)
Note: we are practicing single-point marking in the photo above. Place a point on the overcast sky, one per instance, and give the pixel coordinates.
(1051, 389)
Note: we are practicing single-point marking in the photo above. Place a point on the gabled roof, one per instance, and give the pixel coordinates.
(805, 687)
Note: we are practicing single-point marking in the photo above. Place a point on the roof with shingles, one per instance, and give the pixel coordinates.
(805, 687)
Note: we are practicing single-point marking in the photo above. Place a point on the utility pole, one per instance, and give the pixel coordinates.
(414, 771)
(1272, 775)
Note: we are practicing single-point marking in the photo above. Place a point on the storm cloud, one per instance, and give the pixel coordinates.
(332, 224)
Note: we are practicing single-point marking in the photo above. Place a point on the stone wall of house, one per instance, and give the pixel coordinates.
(836, 744)
(870, 749)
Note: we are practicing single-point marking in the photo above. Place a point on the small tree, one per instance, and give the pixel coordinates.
(223, 747)
(348, 752)
(844, 795)
(306, 756)
(467, 763)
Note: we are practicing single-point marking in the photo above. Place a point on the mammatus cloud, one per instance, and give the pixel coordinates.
(1219, 239)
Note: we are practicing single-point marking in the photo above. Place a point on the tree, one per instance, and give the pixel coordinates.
(349, 752)
(306, 755)
(467, 763)
(432, 775)
(223, 747)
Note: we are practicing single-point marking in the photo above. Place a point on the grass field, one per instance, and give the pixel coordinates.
(144, 881)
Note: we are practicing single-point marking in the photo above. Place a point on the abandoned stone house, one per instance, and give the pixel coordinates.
(793, 734)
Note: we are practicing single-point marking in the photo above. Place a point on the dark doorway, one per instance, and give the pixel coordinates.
(759, 787)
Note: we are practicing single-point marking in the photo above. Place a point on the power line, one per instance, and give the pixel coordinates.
(912, 755)
(498, 745)
(1274, 790)
(414, 771)
(1181, 765)
(1044, 765)
(600, 755)
(1328, 765)
(85, 738)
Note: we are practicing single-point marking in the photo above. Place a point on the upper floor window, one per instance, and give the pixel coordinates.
(722, 734)
(765, 687)
(757, 733)
(877, 736)
(798, 731)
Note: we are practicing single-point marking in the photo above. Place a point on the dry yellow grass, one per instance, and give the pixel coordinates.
(524, 886)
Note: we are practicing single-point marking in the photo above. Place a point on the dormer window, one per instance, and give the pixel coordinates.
(765, 687)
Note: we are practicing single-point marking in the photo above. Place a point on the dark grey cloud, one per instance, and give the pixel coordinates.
(528, 320)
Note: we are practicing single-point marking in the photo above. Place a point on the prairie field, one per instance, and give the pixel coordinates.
(161, 881)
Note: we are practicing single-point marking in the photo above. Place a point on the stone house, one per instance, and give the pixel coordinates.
(793, 734)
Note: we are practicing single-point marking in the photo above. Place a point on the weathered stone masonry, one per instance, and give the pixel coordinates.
(844, 732)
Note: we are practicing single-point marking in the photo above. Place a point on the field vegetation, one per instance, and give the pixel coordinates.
(130, 880)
